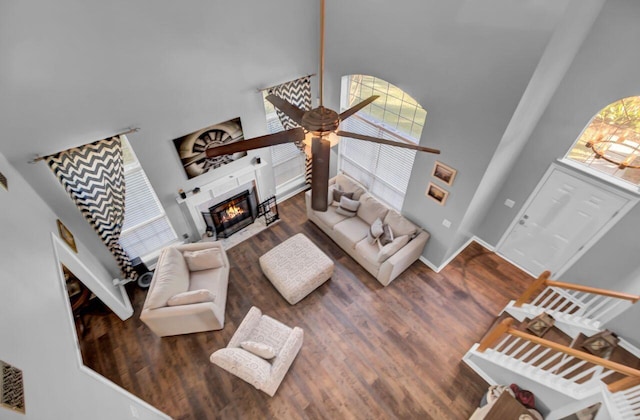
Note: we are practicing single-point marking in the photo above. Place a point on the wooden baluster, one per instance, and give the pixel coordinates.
(494, 334)
(540, 281)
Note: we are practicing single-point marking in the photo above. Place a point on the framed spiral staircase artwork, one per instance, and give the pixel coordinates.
(192, 148)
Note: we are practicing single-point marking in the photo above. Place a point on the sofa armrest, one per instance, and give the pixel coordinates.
(246, 326)
(282, 362)
(244, 365)
(401, 260)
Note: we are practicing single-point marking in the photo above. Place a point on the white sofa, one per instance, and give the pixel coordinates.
(350, 233)
(188, 292)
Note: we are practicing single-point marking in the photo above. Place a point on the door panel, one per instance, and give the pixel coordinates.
(562, 216)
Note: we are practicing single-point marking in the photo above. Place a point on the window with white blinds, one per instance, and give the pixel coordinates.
(287, 159)
(384, 170)
(146, 226)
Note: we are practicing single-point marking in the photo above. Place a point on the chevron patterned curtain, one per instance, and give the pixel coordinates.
(297, 92)
(93, 175)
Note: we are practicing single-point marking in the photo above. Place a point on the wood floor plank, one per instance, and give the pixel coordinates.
(369, 351)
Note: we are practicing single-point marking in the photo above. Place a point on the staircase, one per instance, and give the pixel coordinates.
(576, 308)
(555, 367)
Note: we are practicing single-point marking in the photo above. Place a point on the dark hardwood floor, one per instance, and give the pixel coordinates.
(369, 352)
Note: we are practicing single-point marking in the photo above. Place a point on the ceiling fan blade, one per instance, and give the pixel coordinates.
(289, 109)
(389, 142)
(320, 154)
(288, 136)
(357, 107)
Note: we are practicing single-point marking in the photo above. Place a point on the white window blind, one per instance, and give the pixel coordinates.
(287, 159)
(146, 226)
(384, 170)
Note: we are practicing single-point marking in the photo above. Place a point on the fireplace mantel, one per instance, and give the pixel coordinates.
(216, 190)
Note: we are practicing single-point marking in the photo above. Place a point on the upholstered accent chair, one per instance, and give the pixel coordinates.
(261, 351)
(188, 291)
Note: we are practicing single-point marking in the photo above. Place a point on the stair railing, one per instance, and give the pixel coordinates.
(627, 403)
(569, 299)
(565, 367)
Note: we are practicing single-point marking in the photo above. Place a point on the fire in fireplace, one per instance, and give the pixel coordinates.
(231, 215)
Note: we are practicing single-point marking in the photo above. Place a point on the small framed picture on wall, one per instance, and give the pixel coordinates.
(67, 236)
(444, 173)
(436, 193)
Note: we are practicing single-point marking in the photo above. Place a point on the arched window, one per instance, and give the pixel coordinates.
(384, 170)
(610, 144)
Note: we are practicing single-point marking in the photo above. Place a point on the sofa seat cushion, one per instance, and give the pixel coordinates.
(371, 209)
(214, 280)
(400, 225)
(351, 231)
(330, 217)
(171, 277)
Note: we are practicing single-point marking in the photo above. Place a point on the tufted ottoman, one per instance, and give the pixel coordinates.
(296, 267)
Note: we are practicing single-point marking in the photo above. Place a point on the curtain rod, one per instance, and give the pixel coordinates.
(299, 78)
(128, 131)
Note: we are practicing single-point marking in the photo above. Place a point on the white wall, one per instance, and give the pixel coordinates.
(599, 75)
(36, 329)
(77, 73)
(466, 66)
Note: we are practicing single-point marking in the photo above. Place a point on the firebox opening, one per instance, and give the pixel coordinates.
(231, 215)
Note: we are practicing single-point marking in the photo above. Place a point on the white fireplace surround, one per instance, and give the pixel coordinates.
(217, 191)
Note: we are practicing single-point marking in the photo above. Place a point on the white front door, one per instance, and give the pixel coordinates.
(564, 216)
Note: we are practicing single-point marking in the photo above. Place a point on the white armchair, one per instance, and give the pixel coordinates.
(264, 373)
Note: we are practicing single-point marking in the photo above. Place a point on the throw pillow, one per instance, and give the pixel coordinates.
(375, 230)
(347, 207)
(331, 189)
(338, 194)
(348, 184)
(393, 247)
(262, 350)
(203, 259)
(192, 296)
(399, 224)
(387, 235)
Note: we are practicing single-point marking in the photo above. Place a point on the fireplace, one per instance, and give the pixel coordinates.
(231, 215)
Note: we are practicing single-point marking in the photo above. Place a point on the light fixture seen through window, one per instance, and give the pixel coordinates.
(610, 144)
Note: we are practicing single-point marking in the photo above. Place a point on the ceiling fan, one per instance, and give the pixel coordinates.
(320, 122)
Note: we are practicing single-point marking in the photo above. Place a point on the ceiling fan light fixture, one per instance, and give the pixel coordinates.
(333, 138)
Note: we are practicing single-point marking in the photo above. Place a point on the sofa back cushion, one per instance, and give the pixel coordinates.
(399, 225)
(203, 259)
(371, 209)
(347, 184)
(171, 277)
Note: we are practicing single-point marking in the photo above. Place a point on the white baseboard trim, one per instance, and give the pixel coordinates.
(455, 254)
(484, 244)
(428, 264)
